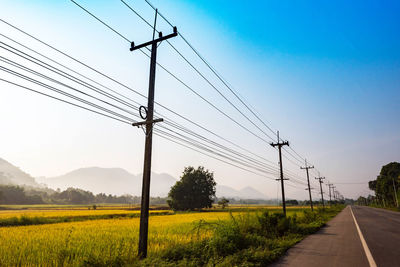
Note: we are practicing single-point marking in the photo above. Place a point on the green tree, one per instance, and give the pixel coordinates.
(383, 185)
(223, 202)
(195, 190)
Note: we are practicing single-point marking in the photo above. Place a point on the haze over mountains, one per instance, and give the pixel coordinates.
(115, 181)
(10, 174)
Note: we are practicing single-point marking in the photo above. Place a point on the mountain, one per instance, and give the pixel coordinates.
(117, 181)
(244, 193)
(10, 174)
(114, 181)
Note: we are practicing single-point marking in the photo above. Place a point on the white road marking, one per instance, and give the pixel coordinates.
(364, 244)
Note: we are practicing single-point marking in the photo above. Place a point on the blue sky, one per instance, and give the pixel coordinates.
(326, 74)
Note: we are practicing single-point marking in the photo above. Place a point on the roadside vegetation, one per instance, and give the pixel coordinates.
(386, 188)
(249, 239)
(252, 236)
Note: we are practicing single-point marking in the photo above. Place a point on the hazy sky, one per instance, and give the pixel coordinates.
(325, 73)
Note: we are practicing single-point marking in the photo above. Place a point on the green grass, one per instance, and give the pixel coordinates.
(251, 239)
(239, 236)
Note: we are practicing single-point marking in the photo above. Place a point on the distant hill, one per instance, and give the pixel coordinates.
(118, 181)
(245, 193)
(10, 174)
(114, 181)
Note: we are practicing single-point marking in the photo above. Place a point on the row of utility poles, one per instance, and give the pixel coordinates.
(147, 114)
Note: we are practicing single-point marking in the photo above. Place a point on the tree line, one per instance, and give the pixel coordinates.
(385, 186)
(11, 194)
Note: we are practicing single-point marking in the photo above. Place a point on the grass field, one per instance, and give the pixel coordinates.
(106, 242)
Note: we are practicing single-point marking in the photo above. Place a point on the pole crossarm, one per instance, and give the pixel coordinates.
(137, 124)
(160, 39)
(286, 143)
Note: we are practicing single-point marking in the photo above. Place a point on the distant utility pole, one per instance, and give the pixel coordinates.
(334, 192)
(395, 194)
(330, 196)
(147, 115)
(320, 186)
(308, 182)
(279, 145)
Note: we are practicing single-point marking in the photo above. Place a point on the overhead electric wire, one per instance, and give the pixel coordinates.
(10, 62)
(62, 65)
(190, 88)
(201, 74)
(17, 74)
(188, 131)
(158, 131)
(174, 141)
(222, 80)
(55, 81)
(105, 24)
(65, 101)
(257, 166)
(94, 105)
(129, 88)
(75, 98)
(63, 74)
(236, 94)
(225, 148)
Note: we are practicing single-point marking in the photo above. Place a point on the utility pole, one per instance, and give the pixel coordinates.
(147, 115)
(320, 186)
(279, 145)
(395, 194)
(330, 196)
(333, 192)
(308, 182)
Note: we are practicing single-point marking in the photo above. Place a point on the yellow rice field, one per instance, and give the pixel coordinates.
(100, 240)
(67, 213)
(69, 243)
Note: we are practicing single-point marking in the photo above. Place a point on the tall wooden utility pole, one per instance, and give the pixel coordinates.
(308, 182)
(320, 186)
(279, 145)
(148, 117)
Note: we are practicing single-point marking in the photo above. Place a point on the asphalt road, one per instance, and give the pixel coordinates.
(339, 243)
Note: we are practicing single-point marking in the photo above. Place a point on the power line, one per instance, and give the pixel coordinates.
(157, 103)
(13, 63)
(64, 101)
(179, 127)
(215, 73)
(105, 24)
(63, 93)
(187, 86)
(124, 86)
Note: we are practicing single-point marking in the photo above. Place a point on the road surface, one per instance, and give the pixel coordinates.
(374, 242)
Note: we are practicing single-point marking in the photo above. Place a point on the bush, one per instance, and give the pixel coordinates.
(245, 240)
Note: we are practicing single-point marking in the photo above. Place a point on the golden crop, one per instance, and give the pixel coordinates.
(66, 213)
(69, 243)
(101, 240)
